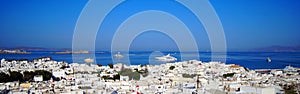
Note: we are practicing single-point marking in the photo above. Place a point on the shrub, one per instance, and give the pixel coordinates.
(4, 77)
(171, 67)
(46, 74)
(16, 76)
(228, 75)
(132, 75)
(189, 75)
(28, 76)
(110, 66)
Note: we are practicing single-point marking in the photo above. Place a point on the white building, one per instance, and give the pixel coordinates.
(257, 90)
(59, 73)
(38, 78)
(124, 78)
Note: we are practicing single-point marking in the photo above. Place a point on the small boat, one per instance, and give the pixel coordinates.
(167, 58)
(118, 55)
(88, 60)
(269, 60)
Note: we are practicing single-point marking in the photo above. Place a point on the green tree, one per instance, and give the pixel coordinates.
(189, 75)
(144, 72)
(110, 66)
(116, 77)
(46, 74)
(125, 72)
(4, 77)
(132, 75)
(228, 75)
(99, 65)
(135, 76)
(171, 67)
(28, 76)
(289, 89)
(105, 77)
(64, 66)
(16, 76)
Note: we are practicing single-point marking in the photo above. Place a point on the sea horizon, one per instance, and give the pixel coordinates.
(251, 60)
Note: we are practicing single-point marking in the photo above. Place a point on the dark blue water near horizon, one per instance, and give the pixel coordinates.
(251, 60)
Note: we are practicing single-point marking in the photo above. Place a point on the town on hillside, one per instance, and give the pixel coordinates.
(47, 76)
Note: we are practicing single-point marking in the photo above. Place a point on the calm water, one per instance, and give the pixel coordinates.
(251, 60)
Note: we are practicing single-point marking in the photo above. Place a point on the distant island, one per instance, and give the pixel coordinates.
(13, 52)
(35, 48)
(277, 49)
(75, 52)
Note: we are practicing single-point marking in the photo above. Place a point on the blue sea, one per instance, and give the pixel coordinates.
(251, 60)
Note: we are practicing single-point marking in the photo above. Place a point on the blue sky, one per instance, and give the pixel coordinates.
(247, 24)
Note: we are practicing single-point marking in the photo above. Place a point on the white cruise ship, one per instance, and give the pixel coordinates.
(166, 58)
(118, 55)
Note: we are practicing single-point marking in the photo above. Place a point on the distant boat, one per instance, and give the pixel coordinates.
(88, 60)
(118, 55)
(166, 58)
(269, 60)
